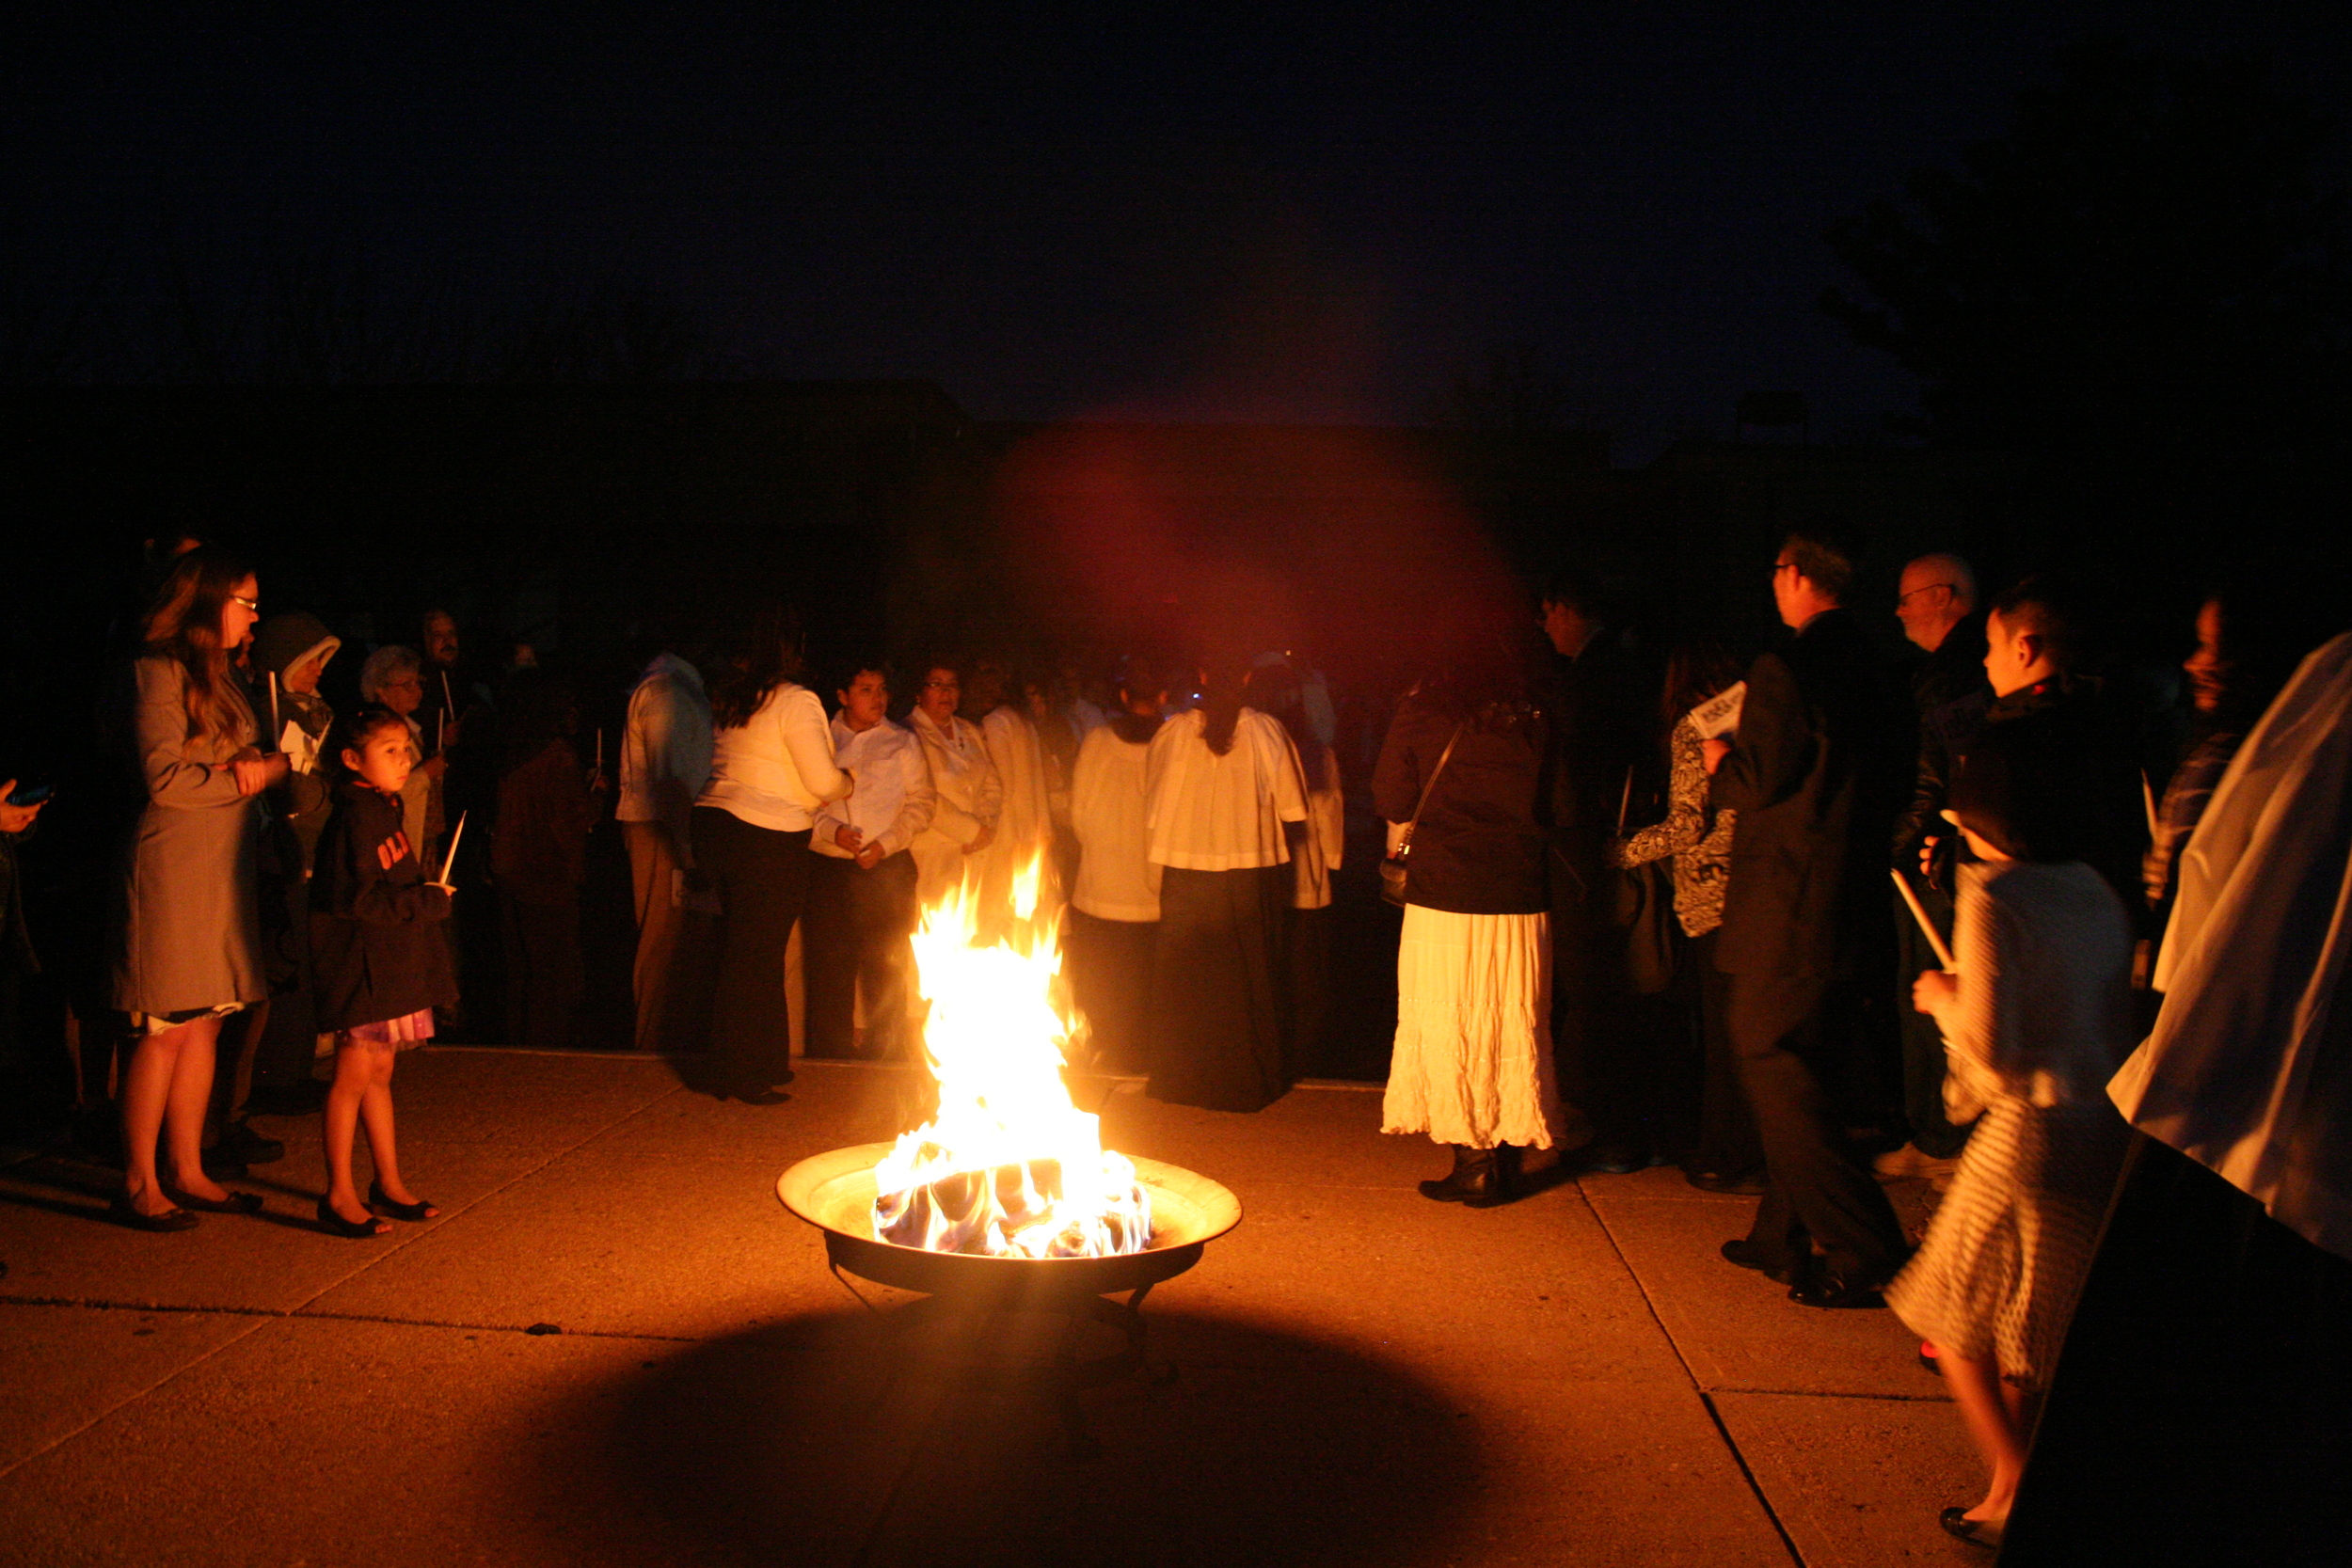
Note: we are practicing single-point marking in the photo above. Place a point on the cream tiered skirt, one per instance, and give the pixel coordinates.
(1472, 1059)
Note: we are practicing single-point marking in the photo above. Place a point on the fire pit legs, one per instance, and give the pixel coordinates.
(986, 1330)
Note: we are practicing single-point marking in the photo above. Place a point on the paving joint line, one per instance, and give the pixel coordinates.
(133, 1397)
(1707, 1400)
(297, 1314)
(1837, 1394)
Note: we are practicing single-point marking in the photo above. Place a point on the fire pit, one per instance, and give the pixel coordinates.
(1007, 1202)
(834, 1191)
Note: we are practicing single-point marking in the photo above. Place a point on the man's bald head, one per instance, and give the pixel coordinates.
(1935, 595)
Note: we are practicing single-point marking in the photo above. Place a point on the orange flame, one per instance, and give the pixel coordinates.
(1009, 1166)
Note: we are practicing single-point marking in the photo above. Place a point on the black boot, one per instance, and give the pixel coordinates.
(1477, 1180)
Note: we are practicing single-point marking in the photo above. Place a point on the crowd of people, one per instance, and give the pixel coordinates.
(1648, 911)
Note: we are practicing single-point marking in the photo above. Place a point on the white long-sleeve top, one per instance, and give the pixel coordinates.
(895, 798)
(1208, 812)
(775, 770)
(967, 793)
(667, 739)
(1012, 745)
(1116, 880)
(2043, 1012)
(1326, 832)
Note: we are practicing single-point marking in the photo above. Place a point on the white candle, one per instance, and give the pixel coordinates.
(450, 859)
(1919, 913)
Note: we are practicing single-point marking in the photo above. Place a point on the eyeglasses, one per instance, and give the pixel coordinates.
(1902, 599)
(1780, 566)
(943, 686)
(253, 605)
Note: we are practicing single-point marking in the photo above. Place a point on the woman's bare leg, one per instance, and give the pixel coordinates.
(1990, 1413)
(354, 1074)
(146, 1088)
(184, 1115)
(375, 1112)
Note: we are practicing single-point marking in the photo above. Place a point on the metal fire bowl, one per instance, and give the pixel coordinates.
(834, 1191)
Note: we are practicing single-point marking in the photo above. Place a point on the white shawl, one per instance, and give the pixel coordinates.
(2249, 1067)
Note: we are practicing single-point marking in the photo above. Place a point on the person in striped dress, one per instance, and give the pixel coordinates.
(2035, 1016)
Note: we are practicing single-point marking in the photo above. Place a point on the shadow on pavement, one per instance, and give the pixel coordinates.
(851, 1438)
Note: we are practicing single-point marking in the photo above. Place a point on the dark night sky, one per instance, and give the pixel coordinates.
(1254, 218)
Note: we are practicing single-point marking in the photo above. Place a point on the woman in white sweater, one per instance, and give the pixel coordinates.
(2035, 1018)
(771, 767)
(1223, 795)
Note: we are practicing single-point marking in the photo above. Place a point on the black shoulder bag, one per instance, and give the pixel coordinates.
(1394, 868)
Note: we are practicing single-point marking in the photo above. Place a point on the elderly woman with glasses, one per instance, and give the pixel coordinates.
(393, 677)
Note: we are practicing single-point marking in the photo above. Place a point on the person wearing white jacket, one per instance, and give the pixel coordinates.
(1223, 798)
(967, 795)
(1115, 902)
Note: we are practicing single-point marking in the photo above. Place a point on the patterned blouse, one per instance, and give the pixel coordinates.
(1697, 839)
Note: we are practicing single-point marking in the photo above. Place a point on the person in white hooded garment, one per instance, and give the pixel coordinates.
(2203, 1412)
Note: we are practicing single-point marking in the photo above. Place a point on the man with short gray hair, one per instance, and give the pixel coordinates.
(1936, 602)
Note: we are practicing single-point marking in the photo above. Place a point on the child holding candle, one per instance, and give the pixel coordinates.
(2036, 1014)
(381, 966)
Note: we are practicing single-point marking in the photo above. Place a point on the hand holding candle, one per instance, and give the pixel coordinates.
(1927, 926)
(450, 859)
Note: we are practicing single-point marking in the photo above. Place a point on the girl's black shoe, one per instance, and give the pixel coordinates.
(419, 1210)
(357, 1230)
(170, 1219)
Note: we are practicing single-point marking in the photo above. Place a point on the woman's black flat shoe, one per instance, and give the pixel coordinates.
(419, 1210)
(1976, 1532)
(356, 1230)
(170, 1219)
(235, 1203)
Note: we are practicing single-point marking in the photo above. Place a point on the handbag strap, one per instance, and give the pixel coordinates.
(1404, 840)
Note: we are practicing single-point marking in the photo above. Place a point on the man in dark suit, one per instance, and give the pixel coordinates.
(1814, 776)
(1600, 693)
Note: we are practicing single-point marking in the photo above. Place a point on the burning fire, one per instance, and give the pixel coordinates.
(1009, 1168)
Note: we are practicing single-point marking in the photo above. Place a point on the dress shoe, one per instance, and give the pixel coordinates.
(1609, 1159)
(120, 1211)
(1748, 1254)
(356, 1230)
(235, 1203)
(1832, 1290)
(381, 1202)
(1976, 1532)
(1478, 1179)
(755, 1095)
(1742, 1183)
(243, 1145)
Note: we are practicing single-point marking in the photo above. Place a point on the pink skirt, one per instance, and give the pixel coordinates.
(402, 1033)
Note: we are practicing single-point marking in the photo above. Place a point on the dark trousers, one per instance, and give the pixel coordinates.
(1307, 972)
(1216, 1012)
(1792, 1036)
(1600, 1028)
(1727, 1142)
(1110, 971)
(858, 926)
(1922, 1040)
(544, 977)
(762, 881)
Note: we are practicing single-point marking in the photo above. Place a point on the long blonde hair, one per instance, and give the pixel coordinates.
(184, 625)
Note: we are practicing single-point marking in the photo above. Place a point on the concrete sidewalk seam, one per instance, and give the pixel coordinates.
(301, 1314)
(1731, 1444)
(1834, 1394)
(261, 1316)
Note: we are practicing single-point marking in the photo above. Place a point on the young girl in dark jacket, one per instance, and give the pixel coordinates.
(382, 967)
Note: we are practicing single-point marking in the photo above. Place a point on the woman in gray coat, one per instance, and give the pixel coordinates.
(190, 951)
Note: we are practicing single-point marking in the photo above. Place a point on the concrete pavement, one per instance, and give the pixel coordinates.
(614, 1346)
